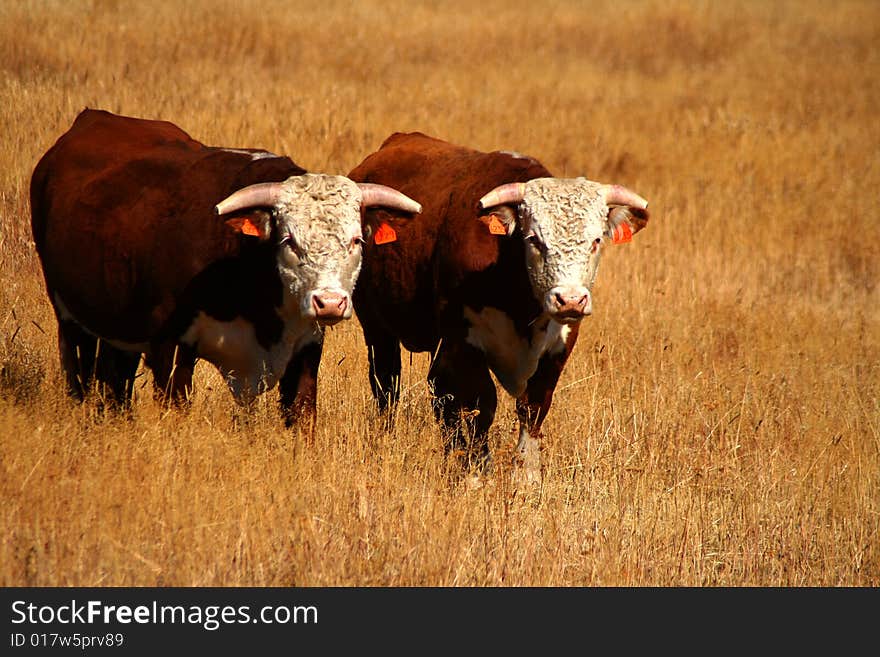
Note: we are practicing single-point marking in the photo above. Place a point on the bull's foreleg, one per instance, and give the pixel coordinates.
(172, 365)
(531, 409)
(298, 390)
(464, 400)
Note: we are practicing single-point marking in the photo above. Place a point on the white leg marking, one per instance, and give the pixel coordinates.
(527, 461)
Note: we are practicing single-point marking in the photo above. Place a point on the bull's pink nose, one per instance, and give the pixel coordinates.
(329, 307)
(573, 302)
(570, 304)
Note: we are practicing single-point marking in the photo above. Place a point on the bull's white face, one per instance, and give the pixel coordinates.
(318, 227)
(564, 222)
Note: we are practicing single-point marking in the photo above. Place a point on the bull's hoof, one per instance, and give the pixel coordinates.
(473, 482)
(526, 478)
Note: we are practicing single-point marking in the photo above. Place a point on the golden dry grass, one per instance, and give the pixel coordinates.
(719, 421)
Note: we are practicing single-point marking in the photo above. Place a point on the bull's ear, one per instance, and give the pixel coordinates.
(254, 224)
(378, 224)
(624, 222)
(500, 220)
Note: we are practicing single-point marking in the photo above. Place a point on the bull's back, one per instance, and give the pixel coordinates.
(97, 163)
(122, 218)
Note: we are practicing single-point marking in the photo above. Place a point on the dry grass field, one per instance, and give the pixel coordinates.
(719, 421)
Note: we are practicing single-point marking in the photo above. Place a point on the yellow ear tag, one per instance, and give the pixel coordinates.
(622, 234)
(385, 234)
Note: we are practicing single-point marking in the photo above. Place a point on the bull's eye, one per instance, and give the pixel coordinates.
(292, 247)
(356, 242)
(596, 244)
(535, 242)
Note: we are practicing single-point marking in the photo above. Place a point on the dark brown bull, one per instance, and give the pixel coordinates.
(493, 276)
(137, 260)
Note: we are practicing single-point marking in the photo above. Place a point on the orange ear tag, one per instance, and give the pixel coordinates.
(494, 224)
(245, 226)
(249, 228)
(496, 227)
(385, 234)
(622, 234)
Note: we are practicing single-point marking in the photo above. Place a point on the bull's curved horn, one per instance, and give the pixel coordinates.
(620, 195)
(252, 196)
(507, 193)
(387, 197)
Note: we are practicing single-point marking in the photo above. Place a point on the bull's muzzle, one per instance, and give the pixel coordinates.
(568, 304)
(330, 307)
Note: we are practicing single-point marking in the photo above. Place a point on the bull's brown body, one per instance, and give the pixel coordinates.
(123, 221)
(414, 291)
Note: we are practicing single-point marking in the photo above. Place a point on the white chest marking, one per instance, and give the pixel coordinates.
(248, 367)
(512, 357)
